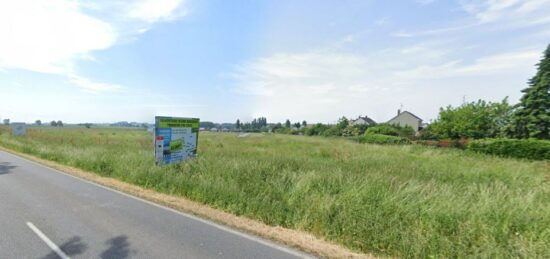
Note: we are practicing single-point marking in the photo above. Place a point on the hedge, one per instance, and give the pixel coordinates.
(520, 148)
(382, 139)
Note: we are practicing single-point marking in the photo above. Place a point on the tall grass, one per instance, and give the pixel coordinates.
(405, 201)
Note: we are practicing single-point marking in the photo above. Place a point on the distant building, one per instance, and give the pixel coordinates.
(406, 118)
(363, 120)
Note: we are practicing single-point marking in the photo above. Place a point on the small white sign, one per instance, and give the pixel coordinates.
(18, 128)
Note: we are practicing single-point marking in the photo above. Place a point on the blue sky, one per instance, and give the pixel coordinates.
(104, 61)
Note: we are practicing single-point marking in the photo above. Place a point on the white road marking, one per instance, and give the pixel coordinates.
(48, 242)
(253, 238)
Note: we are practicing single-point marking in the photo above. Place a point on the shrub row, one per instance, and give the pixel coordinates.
(382, 139)
(518, 148)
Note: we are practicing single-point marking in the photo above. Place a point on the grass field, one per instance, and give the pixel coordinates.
(404, 201)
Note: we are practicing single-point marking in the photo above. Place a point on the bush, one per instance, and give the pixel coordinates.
(331, 132)
(518, 148)
(382, 139)
(383, 129)
(350, 131)
(315, 130)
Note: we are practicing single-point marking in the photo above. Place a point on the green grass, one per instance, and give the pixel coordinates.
(405, 201)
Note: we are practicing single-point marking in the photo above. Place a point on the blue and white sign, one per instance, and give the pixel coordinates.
(176, 139)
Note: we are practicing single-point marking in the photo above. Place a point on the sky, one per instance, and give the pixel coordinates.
(107, 61)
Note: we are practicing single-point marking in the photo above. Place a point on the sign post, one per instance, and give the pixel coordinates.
(176, 139)
(18, 128)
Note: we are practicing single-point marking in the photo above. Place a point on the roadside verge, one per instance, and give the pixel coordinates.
(292, 238)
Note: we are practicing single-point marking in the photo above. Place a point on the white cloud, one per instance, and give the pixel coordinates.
(49, 36)
(93, 87)
(315, 85)
(402, 34)
(496, 64)
(52, 36)
(517, 11)
(153, 11)
(319, 85)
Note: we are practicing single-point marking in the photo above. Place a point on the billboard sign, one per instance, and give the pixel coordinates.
(176, 139)
(18, 128)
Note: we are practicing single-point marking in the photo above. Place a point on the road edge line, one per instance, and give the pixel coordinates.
(48, 242)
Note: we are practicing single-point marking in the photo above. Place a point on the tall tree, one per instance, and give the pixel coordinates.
(287, 124)
(478, 119)
(238, 124)
(531, 118)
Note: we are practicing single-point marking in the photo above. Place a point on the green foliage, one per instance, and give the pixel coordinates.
(342, 123)
(397, 201)
(331, 132)
(256, 125)
(350, 131)
(383, 129)
(428, 134)
(287, 124)
(531, 118)
(382, 139)
(518, 148)
(391, 130)
(283, 130)
(476, 120)
(316, 130)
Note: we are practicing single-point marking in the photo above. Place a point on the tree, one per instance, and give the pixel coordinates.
(297, 125)
(59, 124)
(287, 124)
(6, 121)
(53, 123)
(476, 120)
(531, 117)
(304, 123)
(238, 124)
(342, 123)
(87, 125)
(38, 122)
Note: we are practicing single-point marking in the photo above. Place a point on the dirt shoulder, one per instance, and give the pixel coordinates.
(292, 238)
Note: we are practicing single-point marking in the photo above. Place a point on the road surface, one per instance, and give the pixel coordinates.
(48, 214)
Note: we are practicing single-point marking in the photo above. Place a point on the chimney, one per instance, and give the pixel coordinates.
(398, 111)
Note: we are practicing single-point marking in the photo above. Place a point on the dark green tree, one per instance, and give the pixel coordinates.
(238, 124)
(287, 124)
(304, 123)
(531, 117)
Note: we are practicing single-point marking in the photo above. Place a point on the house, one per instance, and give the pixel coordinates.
(406, 118)
(363, 121)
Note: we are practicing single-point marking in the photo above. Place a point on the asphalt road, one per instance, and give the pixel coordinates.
(47, 214)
